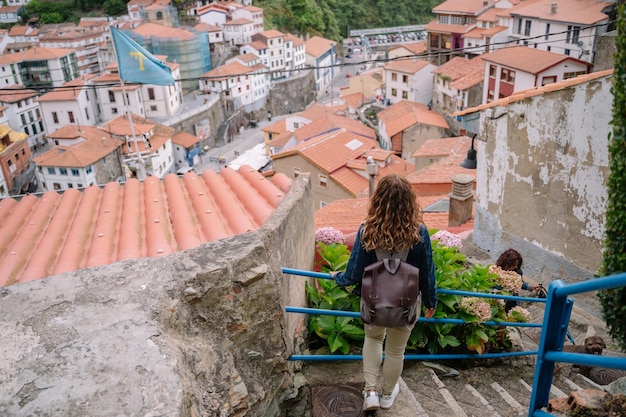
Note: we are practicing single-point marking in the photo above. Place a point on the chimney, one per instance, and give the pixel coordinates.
(485, 2)
(461, 199)
(553, 8)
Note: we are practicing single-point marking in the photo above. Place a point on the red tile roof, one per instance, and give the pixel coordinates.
(462, 72)
(530, 60)
(535, 91)
(462, 6)
(62, 232)
(69, 91)
(185, 139)
(404, 114)
(408, 66)
(316, 46)
(15, 93)
(584, 12)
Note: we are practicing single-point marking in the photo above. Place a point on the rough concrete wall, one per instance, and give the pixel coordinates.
(542, 167)
(293, 94)
(198, 333)
(605, 49)
(416, 135)
(215, 115)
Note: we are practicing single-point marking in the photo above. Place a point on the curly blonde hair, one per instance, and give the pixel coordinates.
(394, 216)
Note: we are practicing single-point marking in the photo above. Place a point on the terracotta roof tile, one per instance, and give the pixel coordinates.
(584, 12)
(435, 26)
(271, 33)
(238, 22)
(98, 144)
(227, 71)
(413, 48)
(205, 27)
(534, 91)
(463, 73)
(442, 147)
(408, 66)
(66, 93)
(316, 45)
(462, 6)
(184, 139)
(62, 232)
(15, 93)
(402, 115)
(293, 38)
(526, 59)
(153, 30)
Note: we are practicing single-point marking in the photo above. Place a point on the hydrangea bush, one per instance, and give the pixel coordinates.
(328, 235)
(453, 272)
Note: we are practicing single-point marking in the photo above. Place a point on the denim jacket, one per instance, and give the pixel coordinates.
(420, 255)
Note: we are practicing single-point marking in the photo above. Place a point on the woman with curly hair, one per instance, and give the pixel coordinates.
(511, 260)
(394, 225)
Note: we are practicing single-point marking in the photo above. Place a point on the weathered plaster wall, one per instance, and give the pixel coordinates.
(198, 333)
(542, 167)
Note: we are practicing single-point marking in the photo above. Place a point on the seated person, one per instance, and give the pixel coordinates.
(511, 260)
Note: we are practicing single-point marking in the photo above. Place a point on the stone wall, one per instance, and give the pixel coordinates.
(198, 333)
(542, 169)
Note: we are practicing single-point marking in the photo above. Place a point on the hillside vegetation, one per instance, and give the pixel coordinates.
(333, 19)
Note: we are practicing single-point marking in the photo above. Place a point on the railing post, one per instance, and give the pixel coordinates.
(555, 320)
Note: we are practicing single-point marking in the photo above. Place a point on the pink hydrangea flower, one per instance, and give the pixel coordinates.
(477, 307)
(448, 239)
(328, 235)
(519, 314)
(509, 280)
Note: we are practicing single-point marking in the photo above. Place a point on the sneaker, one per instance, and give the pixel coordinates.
(370, 400)
(386, 401)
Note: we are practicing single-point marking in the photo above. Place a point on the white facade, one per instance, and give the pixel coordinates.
(213, 16)
(501, 80)
(24, 115)
(62, 178)
(58, 110)
(238, 32)
(242, 84)
(416, 86)
(252, 13)
(9, 73)
(86, 42)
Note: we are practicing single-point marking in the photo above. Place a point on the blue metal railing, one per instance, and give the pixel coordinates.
(554, 330)
(556, 316)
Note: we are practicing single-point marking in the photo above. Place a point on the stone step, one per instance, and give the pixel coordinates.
(490, 387)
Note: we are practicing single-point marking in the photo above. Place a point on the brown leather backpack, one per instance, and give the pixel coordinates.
(390, 291)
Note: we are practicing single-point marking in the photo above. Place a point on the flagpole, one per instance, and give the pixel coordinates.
(141, 168)
(140, 163)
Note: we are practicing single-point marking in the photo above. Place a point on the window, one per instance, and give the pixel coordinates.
(511, 78)
(26, 130)
(75, 172)
(89, 169)
(62, 171)
(394, 76)
(114, 110)
(548, 80)
(519, 27)
(405, 79)
(70, 116)
(492, 71)
(405, 95)
(568, 52)
(56, 186)
(527, 28)
(547, 35)
(153, 108)
(296, 172)
(394, 92)
(30, 116)
(567, 75)
(151, 93)
(573, 33)
(87, 113)
(323, 180)
(111, 97)
(23, 117)
(503, 74)
(51, 171)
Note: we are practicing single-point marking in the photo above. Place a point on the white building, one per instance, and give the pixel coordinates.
(85, 41)
(569, 28)
(148, 145)
(243, 81)
(238, 31)
(80, 156)
(212, 14)
(23, 113)
(74, 103)
(508, 70)
(147, 100)
(409, 79)
(252, 13)
(38, 67)
(295, 53)
(321, 55)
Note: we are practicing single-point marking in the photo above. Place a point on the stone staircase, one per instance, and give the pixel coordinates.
(490, 387)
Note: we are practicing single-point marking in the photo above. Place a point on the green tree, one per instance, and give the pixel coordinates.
(114, 7)
(53, 17)
(614, 255)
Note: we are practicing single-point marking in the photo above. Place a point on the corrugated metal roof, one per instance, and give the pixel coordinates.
(61, 232)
